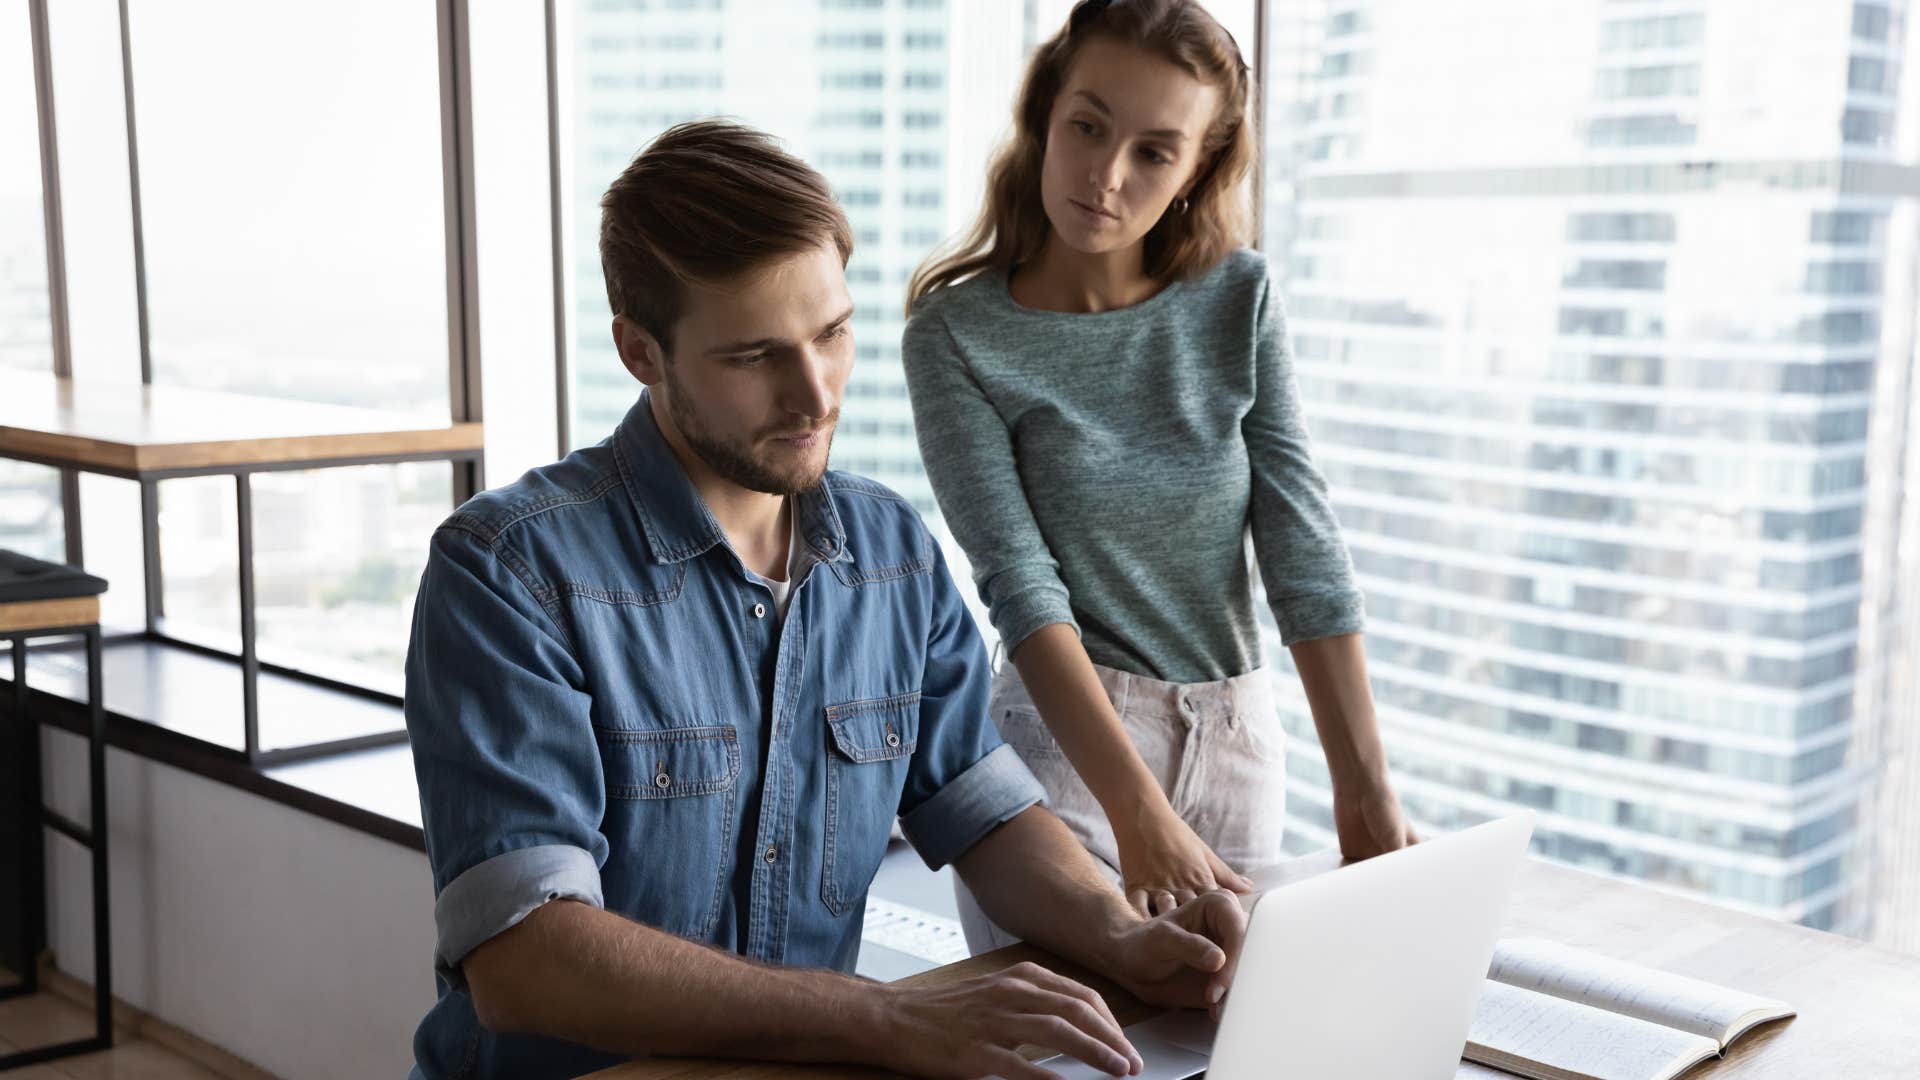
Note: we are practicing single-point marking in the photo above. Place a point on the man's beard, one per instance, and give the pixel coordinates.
(734, 460)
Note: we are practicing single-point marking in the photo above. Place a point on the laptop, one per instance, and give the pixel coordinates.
(1368, 971)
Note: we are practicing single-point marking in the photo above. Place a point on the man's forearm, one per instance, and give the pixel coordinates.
(1034, 879)
(575, 972)
(1333, 671)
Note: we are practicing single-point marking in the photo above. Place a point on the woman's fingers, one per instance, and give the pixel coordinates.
(1137, 899)
(1226, 876)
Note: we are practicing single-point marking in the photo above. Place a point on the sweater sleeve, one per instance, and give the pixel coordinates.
(970, 461)
(1296, 540)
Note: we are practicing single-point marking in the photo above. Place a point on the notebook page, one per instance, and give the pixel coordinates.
(1577, 1038)
(1471, 1071)
(1676, 1001)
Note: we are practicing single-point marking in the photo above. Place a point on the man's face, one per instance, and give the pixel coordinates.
(758, 364)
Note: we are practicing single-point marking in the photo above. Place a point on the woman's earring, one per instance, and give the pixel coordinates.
(1182, 204)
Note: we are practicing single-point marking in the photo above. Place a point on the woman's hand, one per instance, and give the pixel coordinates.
(1186, 958)
(1163, 864)
(1370, 822)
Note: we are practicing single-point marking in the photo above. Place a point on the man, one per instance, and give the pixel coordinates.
(668, 695)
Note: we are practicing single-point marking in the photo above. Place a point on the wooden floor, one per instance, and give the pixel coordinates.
(45, 1018)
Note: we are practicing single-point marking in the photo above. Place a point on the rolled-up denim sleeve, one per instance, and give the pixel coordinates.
(964, 781)
(511, 787)
(494, 895)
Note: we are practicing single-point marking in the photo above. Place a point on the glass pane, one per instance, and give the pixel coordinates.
(337, 557)
(899, 103)
(1593, 388)
(26, 337)
(292, 198)
(864, 97)
(29, 494)
(30, 511)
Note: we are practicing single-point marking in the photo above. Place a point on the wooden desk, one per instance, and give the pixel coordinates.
(156, 432)
(1859, 1006)
(152, 433)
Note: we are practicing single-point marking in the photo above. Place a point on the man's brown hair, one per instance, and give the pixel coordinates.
(705, 202)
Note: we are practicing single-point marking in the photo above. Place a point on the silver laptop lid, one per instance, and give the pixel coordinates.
(1371, 970)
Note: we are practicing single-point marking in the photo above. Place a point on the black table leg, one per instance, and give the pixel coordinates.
(95, 839)
(97, 773)
(33, 886)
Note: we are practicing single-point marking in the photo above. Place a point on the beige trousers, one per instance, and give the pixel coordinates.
(1216, 748)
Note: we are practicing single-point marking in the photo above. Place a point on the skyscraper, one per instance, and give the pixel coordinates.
(1602, 311)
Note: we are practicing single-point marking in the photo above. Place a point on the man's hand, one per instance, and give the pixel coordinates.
(1185, 958)
(971, 1028)
(1164, 864)
(1370, 821)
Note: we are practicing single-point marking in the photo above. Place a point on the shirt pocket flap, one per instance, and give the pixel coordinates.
(670, 762)
(876, 729)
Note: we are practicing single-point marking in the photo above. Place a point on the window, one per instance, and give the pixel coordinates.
(1620, 228)
(256, 245)
(307, 259)
(1663, 130)
(1843, 278)
(29, 494)
(1866, 127)
(1847, 227)
(1648, 274)
(1341, 65)
(1871, 22)
(841, 40)
(1652, 32)
(1591, 388)
(829, 80)
(1343, 23)
(25, 325)
(1868, 74)
(1669, 80)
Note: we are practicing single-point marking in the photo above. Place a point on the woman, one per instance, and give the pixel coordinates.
(1106, 407)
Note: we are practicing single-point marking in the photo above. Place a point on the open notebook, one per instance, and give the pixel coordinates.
(1553, 1012)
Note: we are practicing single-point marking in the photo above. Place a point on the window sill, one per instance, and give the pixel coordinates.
(166, 703)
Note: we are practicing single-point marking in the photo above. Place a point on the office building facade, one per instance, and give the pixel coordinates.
(1603, 322)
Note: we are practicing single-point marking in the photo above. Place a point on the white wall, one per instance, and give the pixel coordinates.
(303, 946)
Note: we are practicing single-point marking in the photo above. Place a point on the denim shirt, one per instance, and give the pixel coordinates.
(605, 706)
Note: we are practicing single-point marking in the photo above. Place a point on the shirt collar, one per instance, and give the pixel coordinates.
(675, 519)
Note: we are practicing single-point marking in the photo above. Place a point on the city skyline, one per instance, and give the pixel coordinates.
(1605, 480)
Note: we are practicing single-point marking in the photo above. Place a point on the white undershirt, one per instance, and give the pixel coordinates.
(796, 566)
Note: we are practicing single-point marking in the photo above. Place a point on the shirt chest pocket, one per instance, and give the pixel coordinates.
(670, 821)
(871, 744)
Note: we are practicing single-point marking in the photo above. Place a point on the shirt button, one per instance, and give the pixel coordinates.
(661, 780)
(759, 611)
(773, 853)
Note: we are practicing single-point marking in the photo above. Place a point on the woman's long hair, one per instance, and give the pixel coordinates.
(1013, 224)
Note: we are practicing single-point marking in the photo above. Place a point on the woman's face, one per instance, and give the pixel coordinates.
(1123, 141)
